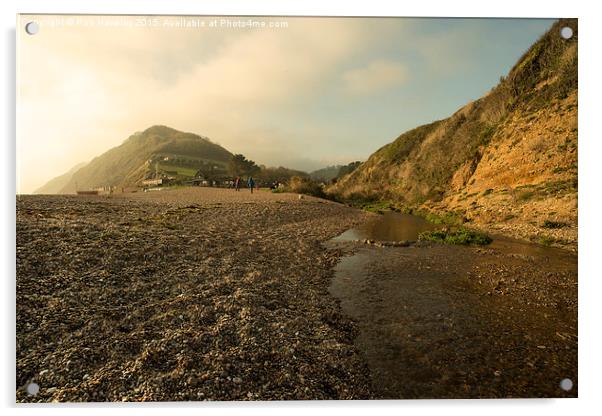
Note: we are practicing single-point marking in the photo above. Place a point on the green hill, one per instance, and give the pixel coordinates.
(157, 151)
(507, 161)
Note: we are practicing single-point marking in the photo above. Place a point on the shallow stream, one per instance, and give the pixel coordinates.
(395, 226)
(427, 330)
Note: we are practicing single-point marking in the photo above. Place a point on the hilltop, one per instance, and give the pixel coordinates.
(156, 152)
(505, 162)
(161, 152)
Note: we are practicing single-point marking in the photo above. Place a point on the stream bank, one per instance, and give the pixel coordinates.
(443, 321)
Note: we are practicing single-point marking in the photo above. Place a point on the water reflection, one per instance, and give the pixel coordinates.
(391, 226)
(552, 255)
(394, 226)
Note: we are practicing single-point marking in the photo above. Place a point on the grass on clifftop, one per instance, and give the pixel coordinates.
(461, 236)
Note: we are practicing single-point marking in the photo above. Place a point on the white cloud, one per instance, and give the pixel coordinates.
(278, 96)
(377, 76)
(98, 86)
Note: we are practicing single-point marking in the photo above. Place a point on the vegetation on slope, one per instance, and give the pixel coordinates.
(503, 160)
(138, 157)
(333, 173)
(460, 236)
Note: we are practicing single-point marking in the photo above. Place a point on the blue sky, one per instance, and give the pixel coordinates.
(474, 54)
(318, 91)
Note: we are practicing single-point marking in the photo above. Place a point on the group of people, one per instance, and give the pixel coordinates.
(251, 184)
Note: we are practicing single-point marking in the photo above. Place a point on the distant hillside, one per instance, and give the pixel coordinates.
(159, 150)
(269, 175)
(325, 174)
(507, 161)
(55, 185)
(330, 173)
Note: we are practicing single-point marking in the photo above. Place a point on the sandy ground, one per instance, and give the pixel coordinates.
(190, 294)
(212, 294)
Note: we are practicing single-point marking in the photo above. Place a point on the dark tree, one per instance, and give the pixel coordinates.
(240, 166)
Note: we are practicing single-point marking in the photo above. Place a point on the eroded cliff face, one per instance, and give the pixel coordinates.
(506, 162)
(526, 182)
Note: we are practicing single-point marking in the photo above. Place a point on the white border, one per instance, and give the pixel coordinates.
(589, 184)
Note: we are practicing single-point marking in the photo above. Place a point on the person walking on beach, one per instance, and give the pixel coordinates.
(237, 183)
(251, 183)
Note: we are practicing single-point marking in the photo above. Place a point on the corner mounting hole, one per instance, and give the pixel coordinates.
(566, 384)
(566, 32)
(32, 28)
(33, 389)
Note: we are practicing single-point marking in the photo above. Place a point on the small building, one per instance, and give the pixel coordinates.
(152, 182)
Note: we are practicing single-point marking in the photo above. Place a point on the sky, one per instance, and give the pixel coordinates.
(298, 92)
